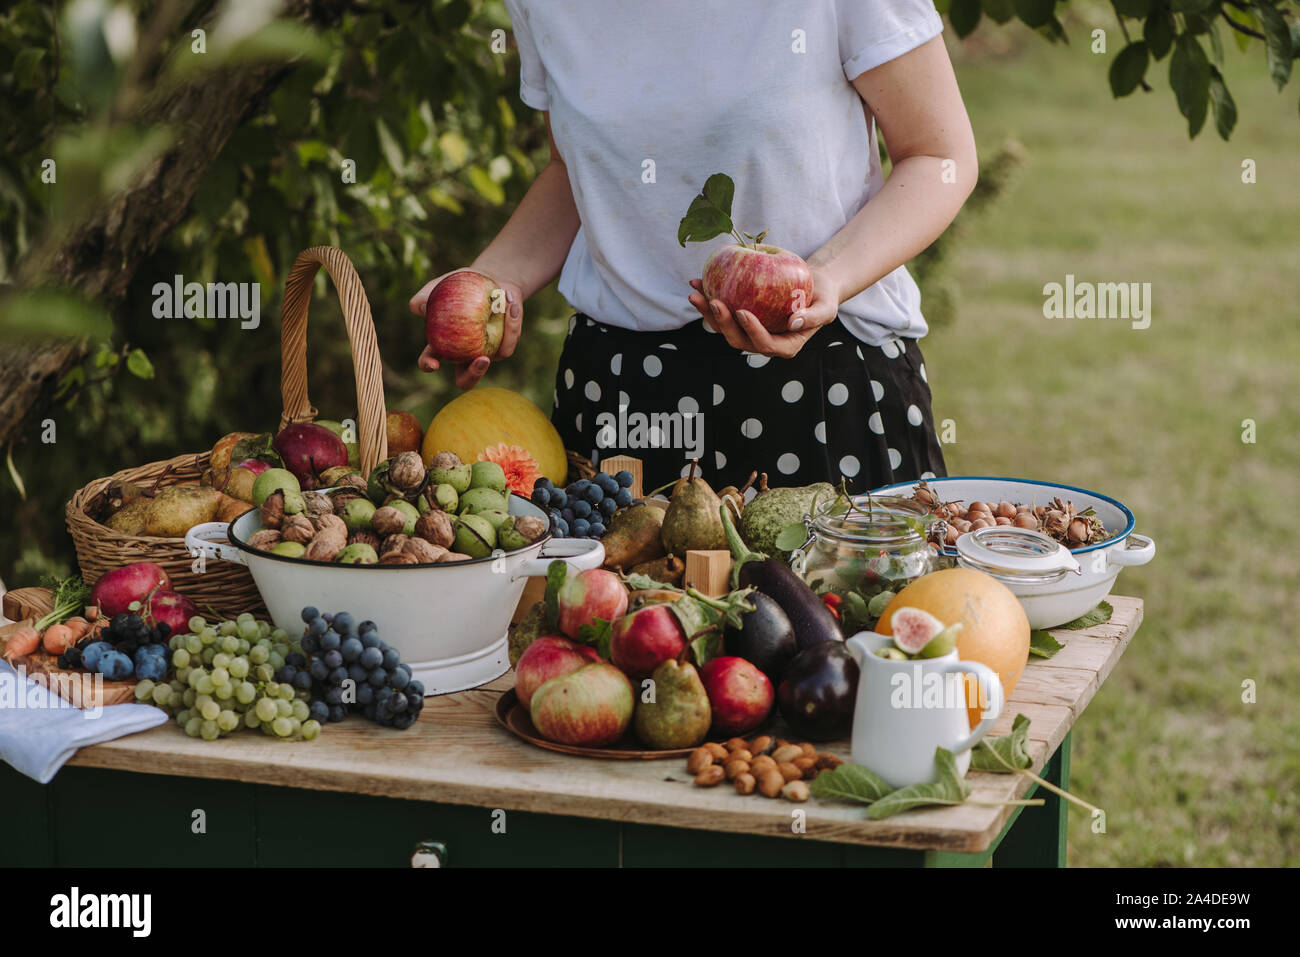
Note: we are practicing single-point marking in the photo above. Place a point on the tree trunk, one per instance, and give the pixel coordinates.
(99, 256)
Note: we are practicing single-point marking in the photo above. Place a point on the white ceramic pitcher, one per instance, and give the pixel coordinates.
(906, 709)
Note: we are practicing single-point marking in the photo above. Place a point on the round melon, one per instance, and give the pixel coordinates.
(995, 631)
(483, 417)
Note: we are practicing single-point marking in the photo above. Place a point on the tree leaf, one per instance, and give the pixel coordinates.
(1042, 644)
(1128, 68)
(849, 782)
(1159, 34)
(999, 11)
(1277, 41)
(1225, 109)
(1189, 75)
(1098, 616)
(964, 15)
(556, 572)
(14, 474)
(1246, 19)
(139, 365)
(1191, 6)
(1035, 13)
(948, 788)
(1134, 9)
(485, 185)
(709, 214)
(1006, 754)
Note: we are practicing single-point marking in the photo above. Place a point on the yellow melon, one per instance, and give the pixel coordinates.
(484, 417)
(995, 631)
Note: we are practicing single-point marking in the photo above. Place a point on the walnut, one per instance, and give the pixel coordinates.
(406, 471)
(340, 498)
(273, 510)
(330, 523)
(398, 558)
(424, 552)
(445, 460)
(393, 543)
(435, 528)
(353, 480)
(387, 521)
(531, 527)
(325, 547)
(454, 557)
(364, 538)
(297, 528)
(318, 503)
(264, 539)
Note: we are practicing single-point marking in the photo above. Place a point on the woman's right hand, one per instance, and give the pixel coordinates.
(468, 374)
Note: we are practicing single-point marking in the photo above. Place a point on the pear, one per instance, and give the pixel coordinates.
(633, 536)
(679, 716)
(178, 508)
(692, 520)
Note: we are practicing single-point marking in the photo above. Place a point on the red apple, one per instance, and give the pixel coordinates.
(590, 707)
(116, 590)
(174, 609)
(643, 639)
(465, 317)
(404, 432)
(308, 450)
(769, 281)
(239, 482)
(739, 694)
(588, 595)
(549, 656)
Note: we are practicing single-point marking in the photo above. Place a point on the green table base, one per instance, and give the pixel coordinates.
(63, 824)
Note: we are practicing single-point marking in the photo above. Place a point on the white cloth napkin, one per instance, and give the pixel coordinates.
(39, 731)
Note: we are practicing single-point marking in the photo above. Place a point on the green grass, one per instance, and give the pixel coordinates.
(1187, 773)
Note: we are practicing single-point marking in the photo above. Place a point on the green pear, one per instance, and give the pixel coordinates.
(679, 714)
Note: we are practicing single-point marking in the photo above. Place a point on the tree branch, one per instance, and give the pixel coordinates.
(1239, 28)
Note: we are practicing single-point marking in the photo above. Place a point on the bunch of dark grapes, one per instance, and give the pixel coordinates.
(583, 508)
(348, 667)
(127, 646)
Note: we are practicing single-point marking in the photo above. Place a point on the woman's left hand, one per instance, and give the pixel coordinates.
(743, 331)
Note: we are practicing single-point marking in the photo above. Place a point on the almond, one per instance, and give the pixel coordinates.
(699, 759)
(762, 764)
(795, 791)
(709, 776)
(745, 784)
(718, 751)
(735, 767)
(770, 784)
(787, 753)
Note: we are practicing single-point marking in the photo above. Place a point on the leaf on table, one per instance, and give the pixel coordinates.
(849, 782)
(948, 788)
(1006, 754)
(1042, 644)
(1098, 616)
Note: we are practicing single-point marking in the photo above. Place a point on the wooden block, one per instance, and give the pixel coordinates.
(708, 571)
(617, 463)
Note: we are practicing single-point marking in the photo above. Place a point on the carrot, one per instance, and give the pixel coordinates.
(58, 638)
(22, 642)
(78, 626)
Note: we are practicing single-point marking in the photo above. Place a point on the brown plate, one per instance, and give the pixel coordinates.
(514, 718)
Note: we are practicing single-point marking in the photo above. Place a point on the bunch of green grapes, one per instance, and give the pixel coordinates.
(224, 680)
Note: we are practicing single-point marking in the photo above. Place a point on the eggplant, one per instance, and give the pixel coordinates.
(813, 622)
(819, 691)
(765, 637)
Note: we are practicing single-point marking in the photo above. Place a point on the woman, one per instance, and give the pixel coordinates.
(643, 102)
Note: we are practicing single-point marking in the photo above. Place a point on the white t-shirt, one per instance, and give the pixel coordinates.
(649, 99)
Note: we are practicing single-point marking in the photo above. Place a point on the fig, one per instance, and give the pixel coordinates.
(913, 628)
(942, 643)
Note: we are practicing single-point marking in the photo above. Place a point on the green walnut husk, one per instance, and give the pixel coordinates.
(488, 475)
(475, 536)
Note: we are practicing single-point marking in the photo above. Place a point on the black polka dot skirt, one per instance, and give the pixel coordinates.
(838, 408)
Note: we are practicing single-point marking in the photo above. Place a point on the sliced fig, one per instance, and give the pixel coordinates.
(942, 643)
(913, 628)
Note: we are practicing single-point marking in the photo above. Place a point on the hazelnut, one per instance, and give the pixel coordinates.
(809, 749)
(330, 524)
(424, 552)
(297, 528)
(393, 543)
(744, 783)
(789, 771)
(735, 767)
(828, 762)
(453, 556)
(398, 558)
(806, 765)
(435, 528)
(710, 776)
(406, 471)
(273, 510)
(770, 784)
(699, 759)
(735, 744)
(741, 754)
(387, 521)
(718, 751)
(795, 791)
(364, 538)
(264, 539)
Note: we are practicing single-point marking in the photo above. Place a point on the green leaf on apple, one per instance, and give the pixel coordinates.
(705, 645)
(636, 581)
(597, 635)
(556, 572)
(258, 448)
(709, 214)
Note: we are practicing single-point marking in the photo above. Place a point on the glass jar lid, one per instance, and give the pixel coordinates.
(1016, 554)
(873, 519)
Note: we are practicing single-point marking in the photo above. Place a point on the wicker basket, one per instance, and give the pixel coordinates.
(224, 587)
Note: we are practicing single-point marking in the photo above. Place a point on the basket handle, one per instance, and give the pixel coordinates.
(372, 426)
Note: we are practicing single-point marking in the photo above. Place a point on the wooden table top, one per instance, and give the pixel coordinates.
(457, 753)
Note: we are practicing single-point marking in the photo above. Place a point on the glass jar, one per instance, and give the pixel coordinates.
(879, 543)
